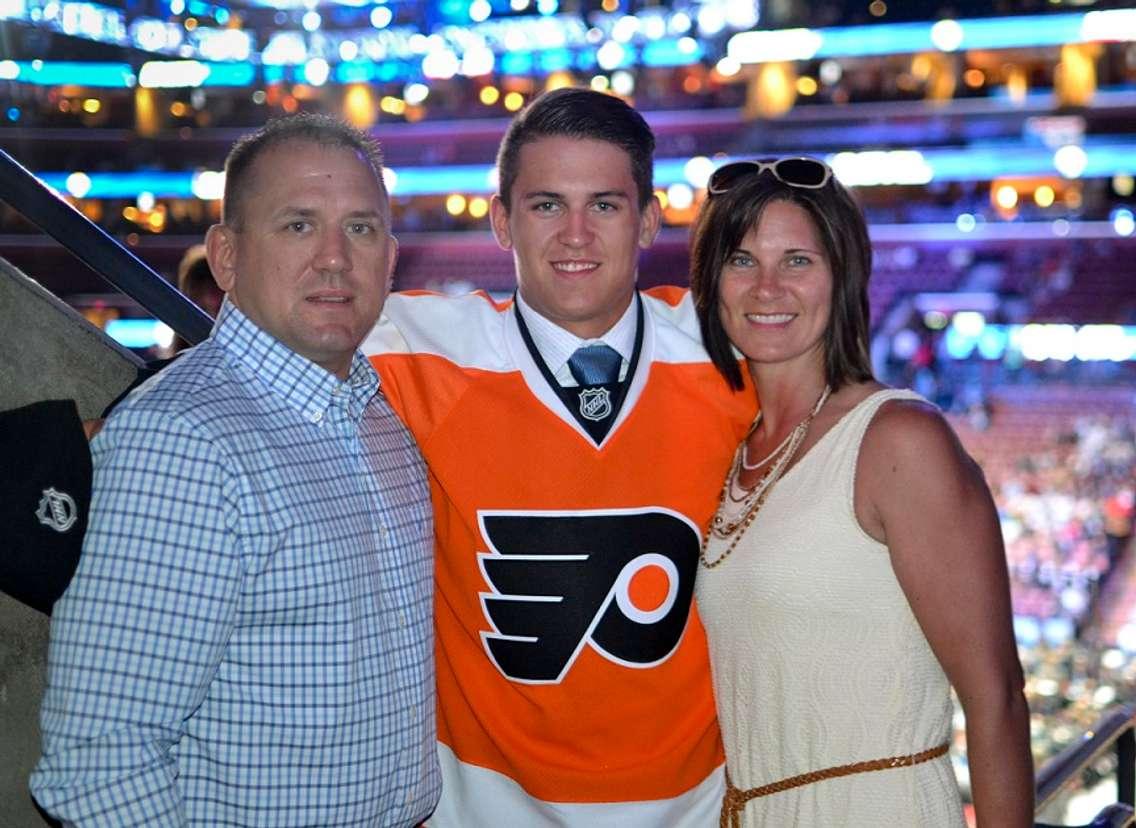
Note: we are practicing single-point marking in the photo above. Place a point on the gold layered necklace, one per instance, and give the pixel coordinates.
(729, 524)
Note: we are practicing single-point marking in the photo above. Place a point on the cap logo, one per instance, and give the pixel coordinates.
(57, 510)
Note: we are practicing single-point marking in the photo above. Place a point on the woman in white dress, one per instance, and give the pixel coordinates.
(854, 570)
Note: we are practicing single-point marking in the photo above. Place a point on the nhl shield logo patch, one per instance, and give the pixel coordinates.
(595, 403)
(57, 510)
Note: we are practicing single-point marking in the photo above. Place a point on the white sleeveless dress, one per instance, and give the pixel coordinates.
(818, 660)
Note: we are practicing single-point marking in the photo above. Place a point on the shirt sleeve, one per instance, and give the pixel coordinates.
(140, 631)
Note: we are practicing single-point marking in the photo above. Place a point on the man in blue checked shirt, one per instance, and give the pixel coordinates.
(247, 639)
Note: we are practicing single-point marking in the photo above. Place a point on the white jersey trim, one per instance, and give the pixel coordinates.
(470, 331)
(476, 797)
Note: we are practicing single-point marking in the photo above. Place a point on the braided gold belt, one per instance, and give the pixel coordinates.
(735, 800)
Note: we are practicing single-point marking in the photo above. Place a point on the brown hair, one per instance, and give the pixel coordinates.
(723, 222)
(584, 114)
(303, 127)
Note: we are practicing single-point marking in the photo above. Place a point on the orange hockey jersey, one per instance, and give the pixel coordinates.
(573, 680)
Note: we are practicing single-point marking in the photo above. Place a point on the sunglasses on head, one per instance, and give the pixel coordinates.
(796, 172)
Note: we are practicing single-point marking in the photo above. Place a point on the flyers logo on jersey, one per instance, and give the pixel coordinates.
(619, 582)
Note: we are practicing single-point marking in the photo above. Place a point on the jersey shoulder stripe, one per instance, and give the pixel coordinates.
(474, 331)
(678, 336)
(467, 330)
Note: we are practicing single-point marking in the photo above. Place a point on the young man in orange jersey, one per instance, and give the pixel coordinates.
(577, 438)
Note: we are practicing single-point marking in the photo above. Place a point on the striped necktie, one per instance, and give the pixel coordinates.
(595, 365)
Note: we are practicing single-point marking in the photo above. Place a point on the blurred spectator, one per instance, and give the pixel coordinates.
(195, 280)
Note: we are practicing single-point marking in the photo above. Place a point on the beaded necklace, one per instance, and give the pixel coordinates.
(725, 527)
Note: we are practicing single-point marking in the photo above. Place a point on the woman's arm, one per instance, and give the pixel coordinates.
(920, 493)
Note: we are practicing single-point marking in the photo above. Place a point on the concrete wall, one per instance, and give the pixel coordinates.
(47, 351)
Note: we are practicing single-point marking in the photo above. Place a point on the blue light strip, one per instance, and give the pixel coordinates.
(970, 164)
(1017, 33)
(230, 74)
(111, 75)
(1010, 160)
(670, 52)
(59, 73)
(1040, 342)
(136, 333)
(986, 33)
(127, 185)
(468, 178)
(1118, 25)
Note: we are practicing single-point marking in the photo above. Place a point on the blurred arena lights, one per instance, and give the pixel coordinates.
(479, 10)
(78, 184)
(945, 35)
(478, 207)
(698, 170)
(390, 179)
(640, 33)
(781, 44)
(455, 204)
(208, 185)
(1044, 196)
(1070, 160)
(966, 222)
(381, 17)
(855, 169)
(415, 93)
(62, 73)
(728, 66)
(622, 82)
(1006, 196)
(140, 333)
(1036, 342)
(935, 320)
(874, 167)
(316, 71)
(680, 196)
(969, 323)
(1123, 221)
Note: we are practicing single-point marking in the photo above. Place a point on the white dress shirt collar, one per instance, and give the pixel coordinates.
(555, 344)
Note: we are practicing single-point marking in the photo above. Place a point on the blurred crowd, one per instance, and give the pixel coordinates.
(1066, 515)
(1067, 512)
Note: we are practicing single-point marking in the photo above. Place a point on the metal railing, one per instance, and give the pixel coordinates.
(39, 204)
(1114, 733)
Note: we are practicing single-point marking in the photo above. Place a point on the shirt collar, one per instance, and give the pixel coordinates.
(305, 386)
(556, 344)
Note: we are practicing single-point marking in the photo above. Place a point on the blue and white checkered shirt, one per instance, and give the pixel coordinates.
(248, 639)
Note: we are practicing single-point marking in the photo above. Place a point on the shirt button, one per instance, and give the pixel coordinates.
(316, 416)
(402, 618)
